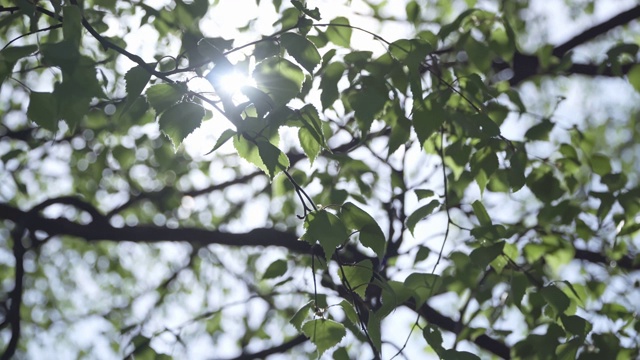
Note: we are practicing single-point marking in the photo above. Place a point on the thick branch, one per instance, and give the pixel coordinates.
(597, 30)
(154, 234)
(483, 341)
(280, 349)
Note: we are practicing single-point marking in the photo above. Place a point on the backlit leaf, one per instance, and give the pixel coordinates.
(302, 50)
(180, 120)
(357, 276)
(323, 333)
(325, 228)
(339, 32)
(369, 231)
(420, 214)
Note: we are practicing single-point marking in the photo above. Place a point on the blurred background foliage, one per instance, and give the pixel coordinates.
(467, 169)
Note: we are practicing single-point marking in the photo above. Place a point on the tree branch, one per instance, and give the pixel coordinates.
(483, 341)
(13, 315)
(597, 30)
(154, 234)
(280, 349)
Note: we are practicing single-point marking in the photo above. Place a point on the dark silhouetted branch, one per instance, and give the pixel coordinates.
(280, 349)
(619, 20)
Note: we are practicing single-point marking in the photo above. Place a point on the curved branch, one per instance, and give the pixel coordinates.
(597, 30)
(483, 341)
(280, 349)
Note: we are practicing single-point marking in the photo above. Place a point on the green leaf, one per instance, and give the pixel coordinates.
(357, 276)
(275, 269)
(329, 84)
(481, 213)
(273, 158)
(310, 120)
(135, 81)
(374, 330)
(422, 254)
(339, 32)
(482, 256)
(314, 14)
(634, 77)
(600, 164)
(423, 194)
(544, 185)
(279, 78)
(302, 50)
(370, 233)
(368, 101)
(224, 137)
(10, 56)
(433, 336)
(163, 96)
(309, 144)
(420, 214)
(349, 312)
(427, 121)
(556, 298)
(323, 333)
(540, 131)
(300, 315)
(43, 110)
(180, 120)
(576, 325)
(72, 24)
(325, 228)
(423, 286)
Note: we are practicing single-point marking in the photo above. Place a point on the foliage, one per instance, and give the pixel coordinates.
(365, 195)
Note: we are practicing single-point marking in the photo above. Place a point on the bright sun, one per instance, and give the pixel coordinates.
(202, 139)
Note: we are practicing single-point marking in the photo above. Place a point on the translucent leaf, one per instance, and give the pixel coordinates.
(309, 144)
(325, 228)
(300, 315)
(279, 78)
(370, 233)
(180, 120)
(224, 137)
(275, 269)
(163, 96)
(481, 213)
(357, 276)
(323, 333)
(339, 32)
(43, 110)
(273, 158)
(310, 119)
(600, 164)
(420, 214)
(349, 311)
(302, 50)
(135, 81)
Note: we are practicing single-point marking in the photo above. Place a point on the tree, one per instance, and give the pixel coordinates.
(368, 195)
